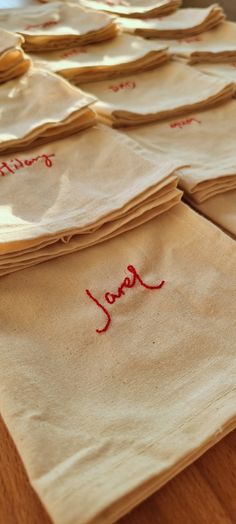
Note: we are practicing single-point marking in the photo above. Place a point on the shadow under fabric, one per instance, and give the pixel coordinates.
(115, 368)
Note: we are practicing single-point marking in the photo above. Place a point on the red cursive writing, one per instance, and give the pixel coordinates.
(117, 2)
(111, 298)
(189, 40)
(124, 85)
(13, 165)
(181, 123)
(44, 25)
(75, 51)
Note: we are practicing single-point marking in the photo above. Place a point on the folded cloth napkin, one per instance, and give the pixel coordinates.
(134, 8)
(220, 70)
(13, 61)
(171, 90)
(221, 210)
(58, 26)
(78, 192)
(46, 106)
(115, 368)
(124, 54)
(203, 142)
(217, 45)
(181, 24)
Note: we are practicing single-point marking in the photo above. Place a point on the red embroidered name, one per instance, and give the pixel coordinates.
(181, 123)
(117, 2)
(124, 85)
(110, 298)
(190, 40)
(44, 25)
(75, 51)
(14, 164)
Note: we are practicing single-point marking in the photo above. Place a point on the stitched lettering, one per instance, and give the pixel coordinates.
(110, 298)
(181, 123)
(190, 40)
(124, 85)
(75, 51)
(44, 25)
(14, 164)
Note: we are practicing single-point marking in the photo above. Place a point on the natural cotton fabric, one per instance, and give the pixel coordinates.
(136, 9)
(39, 107)
(219, 70)
(221, 209)
(171, 90)
(77, 192)
(217, 45)
(57, 26)
(13, 61)
(124, 54)
(180, 24)
(102, 420)
(204, 143)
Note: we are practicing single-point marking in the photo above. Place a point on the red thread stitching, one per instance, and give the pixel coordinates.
(124, 85)
(181, 123)
(189, 40)
(112, 297)
(14, 164)
(41, 26)
(75, 51)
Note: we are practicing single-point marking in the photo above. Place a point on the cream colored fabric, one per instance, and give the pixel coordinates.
(171, 90)
(220, 70)
(135, 8)
(217, 45)
(181, 24)
(124, 54)
(13, 61)
(57, 26)
(204, 143)
(88, 188)
(221, 209)
(102, 420)
(39, 106)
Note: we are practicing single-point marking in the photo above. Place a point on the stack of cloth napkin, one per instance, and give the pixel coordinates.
(13, 61)
(134, 8)
(220, 70)
(77, 192)
(40, 107)
(204, 143)
(58, 26)
(166, 92)
(221, 210)
(217, 45)
(124, 54)
(181, 24)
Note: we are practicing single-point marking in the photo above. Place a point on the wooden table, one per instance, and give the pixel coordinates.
(205, 493)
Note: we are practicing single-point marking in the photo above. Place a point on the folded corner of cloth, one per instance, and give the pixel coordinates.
(132, 100)
(97, 166)
(136, 9)
(13, 61)
(205, 144)
(115, 368)
(63, 110)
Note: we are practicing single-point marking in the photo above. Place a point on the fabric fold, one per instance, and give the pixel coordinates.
(136, 9)
(181, 24)
(221, 210)
(13, 61)
(113, 359)
(171, 90)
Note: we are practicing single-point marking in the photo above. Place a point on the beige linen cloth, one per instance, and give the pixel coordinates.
(181, 24)
(102, 419)
(13, 61)
(124, 54)
(135, 8)
(204, 143)
(77, 192)
(171, 90)
(217, 45)
(220, 70)
(221, 209)
(57, 26)
(40, 107)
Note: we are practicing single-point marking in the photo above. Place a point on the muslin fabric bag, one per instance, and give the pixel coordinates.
(136, 9)
(181, 24)
(97, 166)
(217, 45)
(124, 54)
(115, 371)
(221, 209)
(62, 109)
(204, 143)
(169, 91)
(58, 25)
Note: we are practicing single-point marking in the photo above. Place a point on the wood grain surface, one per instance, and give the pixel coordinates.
(205, 493)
